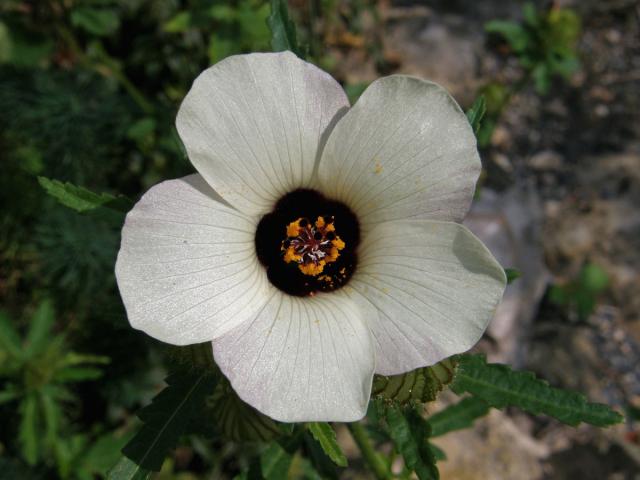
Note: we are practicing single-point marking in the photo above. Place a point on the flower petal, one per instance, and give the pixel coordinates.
(404, 150)
(187, 268)
(253, 125)
(435, 285)
(302, 359)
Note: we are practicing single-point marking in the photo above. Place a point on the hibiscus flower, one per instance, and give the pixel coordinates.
(318, 243)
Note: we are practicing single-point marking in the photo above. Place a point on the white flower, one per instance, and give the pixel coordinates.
(389, 283)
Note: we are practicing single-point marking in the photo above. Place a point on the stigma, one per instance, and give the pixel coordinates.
(311, 245)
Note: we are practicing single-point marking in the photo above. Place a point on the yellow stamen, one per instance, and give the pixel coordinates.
(338, 243)
(293, 229)
(311, 268)
(291, 256)
(320, 222)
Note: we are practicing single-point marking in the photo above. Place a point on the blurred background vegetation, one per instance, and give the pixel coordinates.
(89, 90)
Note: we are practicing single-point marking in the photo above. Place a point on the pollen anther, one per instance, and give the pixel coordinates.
(311, 245)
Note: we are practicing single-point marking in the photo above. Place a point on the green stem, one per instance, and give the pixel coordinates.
(369, 454)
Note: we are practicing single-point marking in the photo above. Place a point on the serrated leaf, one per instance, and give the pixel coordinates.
(407, 429)
(326, 437)
(167, 417)
(421, 385)
(458, 416)
(283, 30)
(275, 462)
(476, 113)
(127, 469)
(237, 420)
(512, 274)
(500, 387)
(82, 200)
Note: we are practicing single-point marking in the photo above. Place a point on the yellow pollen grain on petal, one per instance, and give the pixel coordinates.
(293, 229)
(291, 256)
(311, 268)
(333, 255)
(320, 222)
(338, 243)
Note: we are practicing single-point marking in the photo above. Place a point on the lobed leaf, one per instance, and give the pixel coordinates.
(458, 416)
(421, 385)
(167, 417)
(500, 387)
(326, 437)
(409, 434)
(81, 199)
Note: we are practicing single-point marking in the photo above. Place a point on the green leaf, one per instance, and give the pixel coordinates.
(354, 90)
(28, 433)
(593, 278)
(512, 274)
(179, 23)
(9, 394)
(9, 337)
(167, 417)
(283, 30)
(40, 330)
(458, 416)
(421, 385)
(515, 35)
(81, 199)
(237, 420)
(500, 387)
(407, 429)
(127, 469)
(52, 415)
(326, 437)
(437, 452)
(476, 113)
(102, 454)
(275, 462)
(100, 22)
(77, 374)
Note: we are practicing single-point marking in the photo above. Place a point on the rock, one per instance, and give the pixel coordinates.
(509, 224)
(546, 160)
